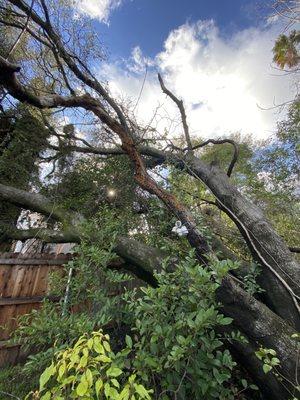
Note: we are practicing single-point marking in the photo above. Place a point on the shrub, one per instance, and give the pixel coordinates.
(89, 370)
(179, 351)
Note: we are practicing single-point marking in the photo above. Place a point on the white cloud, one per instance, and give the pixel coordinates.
(138, 62)
(97, 9)
(223, 81)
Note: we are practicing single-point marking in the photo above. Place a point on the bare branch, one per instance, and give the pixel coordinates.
(294, 249)
(22, 31)
(180, 105)
(222, 141)
(69, 60)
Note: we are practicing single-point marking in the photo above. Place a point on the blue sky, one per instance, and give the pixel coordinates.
(214, 54)
(147, 23)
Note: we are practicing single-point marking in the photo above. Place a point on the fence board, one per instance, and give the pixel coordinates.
(23, 286)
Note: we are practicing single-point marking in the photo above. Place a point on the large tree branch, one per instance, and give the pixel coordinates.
(43, 234)
(33, 201)
(294, 249)
(9, 80)
(266, 329)
(130, 250)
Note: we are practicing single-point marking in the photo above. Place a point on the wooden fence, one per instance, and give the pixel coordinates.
(23, 286)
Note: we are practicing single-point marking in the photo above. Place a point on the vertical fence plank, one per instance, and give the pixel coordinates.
(23, 285)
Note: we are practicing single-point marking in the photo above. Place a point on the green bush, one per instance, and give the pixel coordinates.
(89, 370)
(179, 351)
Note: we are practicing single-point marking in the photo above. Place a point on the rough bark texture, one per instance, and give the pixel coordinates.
(266, 245)
(262, 326)
(277, 262)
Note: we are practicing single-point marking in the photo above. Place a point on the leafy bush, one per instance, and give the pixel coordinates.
(89, 370)
(41, 328)
(178, 347)
(14, 380)
(179, 351)
(91, 287)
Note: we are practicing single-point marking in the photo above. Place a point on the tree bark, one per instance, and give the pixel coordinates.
(280, 277)
(266, 245)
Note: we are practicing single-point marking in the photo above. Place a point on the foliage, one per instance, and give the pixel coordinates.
(286, 50)
(90, 296)
(13, 379)
(272, 363)
(178, 346)
(24, 140)
(84, 185)
(179, 351)
(250, 280)
(268, 357)
(89, 370)
(40, 329)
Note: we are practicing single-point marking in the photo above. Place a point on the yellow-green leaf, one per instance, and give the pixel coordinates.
(114, 371)
(104, 359)
(46, 396)
(98, 386)
(106, 346)
(83, 361)
(82, 388)
(107, 389)
(89, 377)
(46, 375)
(98, 346)
(124, 395)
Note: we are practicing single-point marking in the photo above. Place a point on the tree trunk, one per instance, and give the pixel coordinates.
(280, 277)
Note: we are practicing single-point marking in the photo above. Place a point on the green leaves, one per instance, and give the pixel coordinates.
(267, 368)
(113, 371)
(142, 392)
(286, 51)
(98, 346)
(98, 387)
(128, 341)
(226, 321)
(82, 388)
(87, 370)
(46, 375)
(175, 332)
(268, 357)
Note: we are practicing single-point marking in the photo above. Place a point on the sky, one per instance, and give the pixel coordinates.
(214, 54)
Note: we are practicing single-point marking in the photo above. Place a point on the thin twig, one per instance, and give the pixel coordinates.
(22, 32)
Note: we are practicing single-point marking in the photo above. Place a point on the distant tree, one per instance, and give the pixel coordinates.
(286, 50)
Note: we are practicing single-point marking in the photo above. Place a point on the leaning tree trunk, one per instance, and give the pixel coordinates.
(280, 277)
(268, 248)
